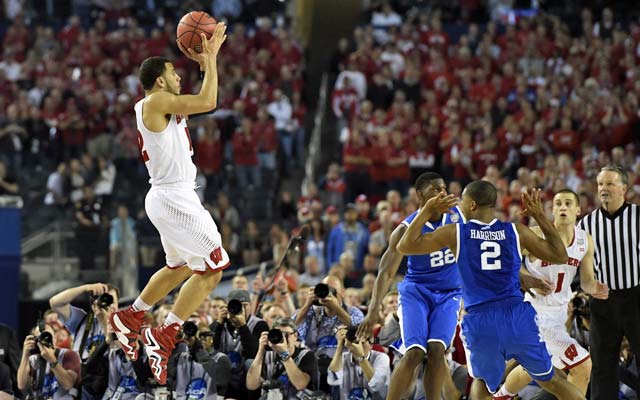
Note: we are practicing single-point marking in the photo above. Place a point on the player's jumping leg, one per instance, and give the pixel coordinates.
(126, 323)
(479, 390)
(580, 375)
(561, 388)
(404, 373)
(437, 370)
(160, 342)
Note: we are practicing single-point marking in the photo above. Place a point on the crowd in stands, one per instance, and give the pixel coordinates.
(533, 104)
(66, 116)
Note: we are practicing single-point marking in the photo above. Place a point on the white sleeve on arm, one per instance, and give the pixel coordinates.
(380, 380)
(335, 378)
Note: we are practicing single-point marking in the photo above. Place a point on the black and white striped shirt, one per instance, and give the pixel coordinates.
(617, 245)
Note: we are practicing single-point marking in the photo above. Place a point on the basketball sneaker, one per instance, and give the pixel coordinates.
(126, 325)
(159, 343)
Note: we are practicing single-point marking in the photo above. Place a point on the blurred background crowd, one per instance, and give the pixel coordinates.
(521, 95)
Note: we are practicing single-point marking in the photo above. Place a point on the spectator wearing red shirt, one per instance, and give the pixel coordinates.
(245, 156)
(379, 152)
(345, 103)
(565, 140)
(461, 157)
(421, 158)
(208, 155)
(72, 131)
(356, 163)
(398, 173)
(488, 155)
(333, 186)
(265, 132)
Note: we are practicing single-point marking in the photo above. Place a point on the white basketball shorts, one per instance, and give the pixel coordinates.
(187, 231)
(566, 352)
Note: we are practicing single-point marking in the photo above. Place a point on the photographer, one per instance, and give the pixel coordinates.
(361, 373)
(104, 300)
(200, 372)
(88, 330)
(320, 316)
(126, 379)
(287, 371)
(236, 334)
(46, 371)
(579, 319)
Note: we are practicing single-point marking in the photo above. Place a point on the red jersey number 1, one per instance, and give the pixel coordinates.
(143, 152)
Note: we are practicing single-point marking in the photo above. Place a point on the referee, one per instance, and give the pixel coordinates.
(615, 228)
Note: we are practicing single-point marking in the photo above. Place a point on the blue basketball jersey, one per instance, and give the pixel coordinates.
(489, 257)
(437, 270)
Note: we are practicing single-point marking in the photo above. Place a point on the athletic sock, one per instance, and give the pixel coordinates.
(140, 305)
(172, 319)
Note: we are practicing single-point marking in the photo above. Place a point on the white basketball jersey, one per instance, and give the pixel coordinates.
(166, 154)
(561, 275)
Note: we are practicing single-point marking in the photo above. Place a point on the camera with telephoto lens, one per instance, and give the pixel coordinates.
(103, 301)
(275, 336)
(234, 307)
(189, 329)
(322, 291)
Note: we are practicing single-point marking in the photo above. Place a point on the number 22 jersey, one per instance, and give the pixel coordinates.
(489, 258)
(437, 270)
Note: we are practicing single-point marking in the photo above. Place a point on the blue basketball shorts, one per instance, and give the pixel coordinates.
(502, 331)
(427, 315)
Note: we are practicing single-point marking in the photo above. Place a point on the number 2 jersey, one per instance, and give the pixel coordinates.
(561, 275)
(166, 154)
(437, 270)
(489, 258)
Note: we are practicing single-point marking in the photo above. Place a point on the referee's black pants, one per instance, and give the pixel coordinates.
(611, 320)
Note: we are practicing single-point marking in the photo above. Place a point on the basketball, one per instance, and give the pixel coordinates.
(190, 27)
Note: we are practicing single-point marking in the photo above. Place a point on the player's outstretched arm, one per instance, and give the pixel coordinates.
(389, 264)
(588, 282)
(206, 100)
(551, 248)
(414, 242)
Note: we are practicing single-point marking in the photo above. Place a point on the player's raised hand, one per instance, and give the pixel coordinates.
(439, 204)
(212, 45)
(191, 54)
(601, 292)
(532, 203)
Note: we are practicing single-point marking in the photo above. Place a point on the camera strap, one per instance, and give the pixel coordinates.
(40, 374)
(89, 318)
(39, 381)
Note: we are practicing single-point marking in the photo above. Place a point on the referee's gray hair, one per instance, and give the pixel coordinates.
(624, 177)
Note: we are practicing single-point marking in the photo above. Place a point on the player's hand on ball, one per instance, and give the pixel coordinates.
(191, 54)
(212, 46)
